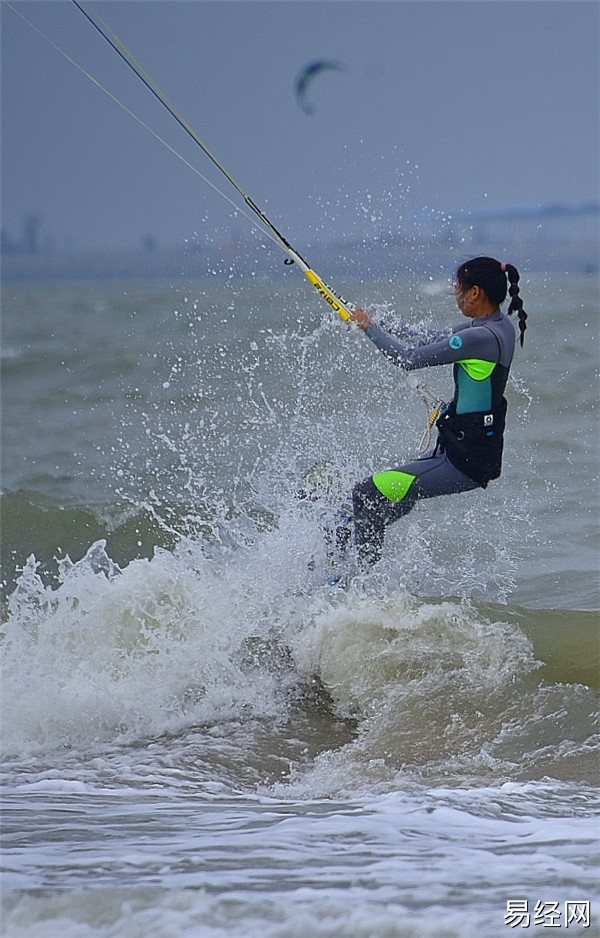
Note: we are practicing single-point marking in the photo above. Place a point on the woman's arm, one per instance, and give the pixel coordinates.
(404, 332)
(452, 347)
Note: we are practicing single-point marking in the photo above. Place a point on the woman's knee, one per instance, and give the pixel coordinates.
(366, 498)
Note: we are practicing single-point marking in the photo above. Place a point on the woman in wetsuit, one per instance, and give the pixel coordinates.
(468, 451)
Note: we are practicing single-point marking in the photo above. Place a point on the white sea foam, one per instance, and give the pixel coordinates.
(210, 741)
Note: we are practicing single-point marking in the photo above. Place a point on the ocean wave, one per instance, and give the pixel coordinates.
(206, 637)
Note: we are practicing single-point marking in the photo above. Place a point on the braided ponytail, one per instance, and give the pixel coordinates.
(516, 303)
(490, 275)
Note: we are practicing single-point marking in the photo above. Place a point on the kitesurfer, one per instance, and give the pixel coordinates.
(468, 451)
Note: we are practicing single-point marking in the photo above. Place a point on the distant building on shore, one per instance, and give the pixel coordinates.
(554, 237)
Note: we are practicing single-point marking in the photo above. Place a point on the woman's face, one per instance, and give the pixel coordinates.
(473, 301)
(464, 298)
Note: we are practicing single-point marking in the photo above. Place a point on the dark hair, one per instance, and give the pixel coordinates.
(491, 276)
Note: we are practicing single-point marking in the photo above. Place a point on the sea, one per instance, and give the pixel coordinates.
(202, 736)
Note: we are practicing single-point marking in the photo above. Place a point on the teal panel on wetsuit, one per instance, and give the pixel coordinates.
(474, 393)
(394, 484)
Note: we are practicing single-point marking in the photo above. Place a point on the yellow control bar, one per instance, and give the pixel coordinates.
(336, 302)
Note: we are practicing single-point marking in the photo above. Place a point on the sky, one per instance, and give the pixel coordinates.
(441, 106)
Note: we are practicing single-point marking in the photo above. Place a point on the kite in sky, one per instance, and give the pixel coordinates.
(305, 78)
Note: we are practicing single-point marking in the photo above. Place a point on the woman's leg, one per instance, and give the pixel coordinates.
(386, 496)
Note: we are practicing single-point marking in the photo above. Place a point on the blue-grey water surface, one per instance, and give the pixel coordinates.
(200, 736)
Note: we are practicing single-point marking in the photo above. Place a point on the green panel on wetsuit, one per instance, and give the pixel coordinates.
(394, 484)
(474, 386)
(477, 369)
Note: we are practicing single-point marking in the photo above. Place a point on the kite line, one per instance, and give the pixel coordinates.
(341, 306)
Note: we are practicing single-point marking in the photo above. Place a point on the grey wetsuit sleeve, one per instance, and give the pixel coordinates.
(411, 334)
(462, 344)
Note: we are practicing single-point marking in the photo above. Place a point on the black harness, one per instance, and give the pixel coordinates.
(473, 442)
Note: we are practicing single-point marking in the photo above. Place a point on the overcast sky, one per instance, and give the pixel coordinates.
(442, 105)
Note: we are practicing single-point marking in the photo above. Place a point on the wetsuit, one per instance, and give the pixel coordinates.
(468, 452)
